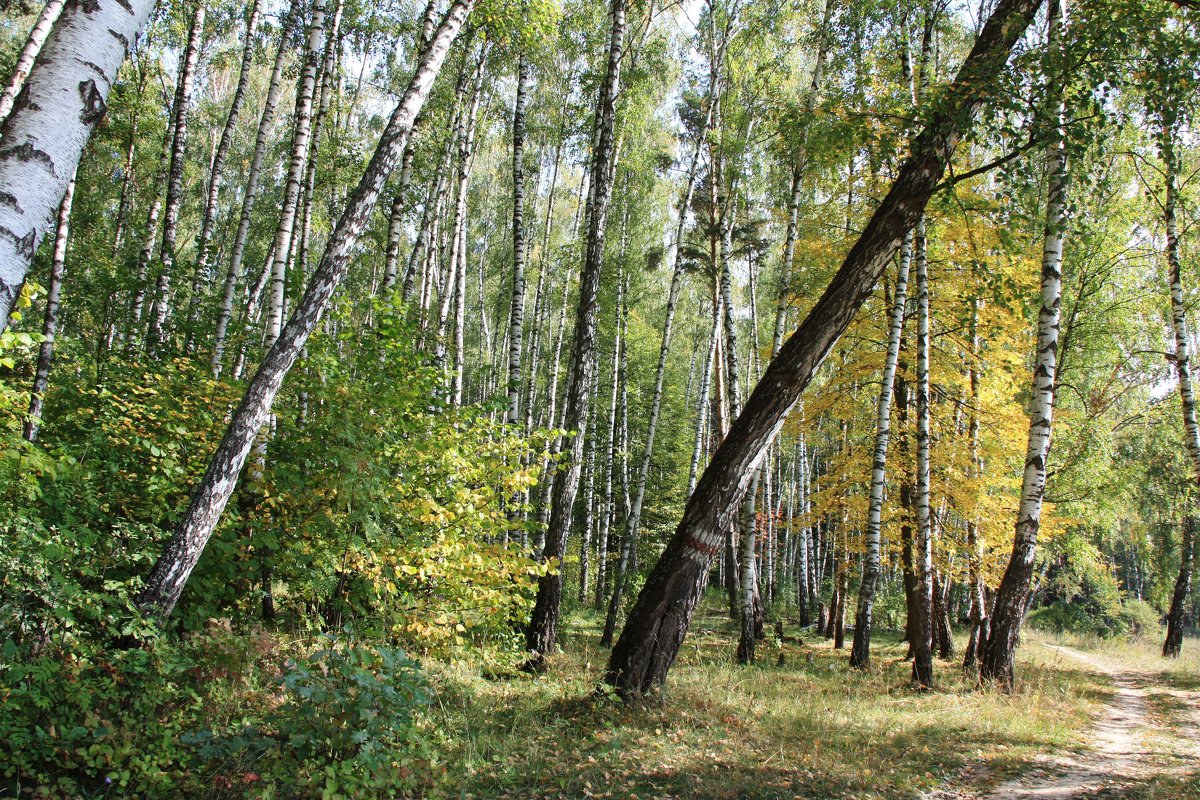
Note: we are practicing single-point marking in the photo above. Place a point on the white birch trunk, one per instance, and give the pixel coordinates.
(174, 200)
(1009, 608)
(170, 574)
(41, 377)
(33, 45)
(41, 142)
(860, 654)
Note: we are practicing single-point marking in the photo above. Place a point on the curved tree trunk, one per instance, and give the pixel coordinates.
(1012, 598)
(170, 574)
(659, 619)
(43, 137)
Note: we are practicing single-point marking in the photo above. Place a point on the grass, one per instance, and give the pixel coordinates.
(800, 723)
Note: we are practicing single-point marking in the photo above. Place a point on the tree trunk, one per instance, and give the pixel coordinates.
(41, 377)
(922, 627)
(209, 218)
(179, 557)
(860, 651)
(1012, 598)
(1177, 617)
(251, 194)
(979, 621)
(302, 128)
(161, 309)
(659, 619)
(543, 626)
(516, 319)
(33, 45)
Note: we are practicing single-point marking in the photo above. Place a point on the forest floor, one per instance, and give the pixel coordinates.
(1117, 721)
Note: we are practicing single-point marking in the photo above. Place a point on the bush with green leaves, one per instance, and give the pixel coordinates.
(96, 721)
(347, 726)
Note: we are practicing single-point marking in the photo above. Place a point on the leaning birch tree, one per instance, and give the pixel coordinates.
(181, 553)
(659, 619)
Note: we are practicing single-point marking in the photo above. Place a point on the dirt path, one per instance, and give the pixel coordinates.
(1118, 746)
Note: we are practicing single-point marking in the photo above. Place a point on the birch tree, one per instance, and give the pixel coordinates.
(42, 139)
(180, 555)
(1010, 605)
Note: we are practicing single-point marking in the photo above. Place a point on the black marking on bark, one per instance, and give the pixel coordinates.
(8, 294)
(27, 244)
(95, 68)
(125, 4)
(88, 6)
(27, 152)
(120, 37)
(11, 201)
(93, 102)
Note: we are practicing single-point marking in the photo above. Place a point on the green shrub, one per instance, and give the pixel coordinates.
(347, 727)
(84, 722)
(1141, 619)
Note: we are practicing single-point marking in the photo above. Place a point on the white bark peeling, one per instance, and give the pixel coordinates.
(65, 95)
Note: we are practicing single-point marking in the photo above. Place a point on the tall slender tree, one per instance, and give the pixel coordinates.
(543, 627)
(1012, 597)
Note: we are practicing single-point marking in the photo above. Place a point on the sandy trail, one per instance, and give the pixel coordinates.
(1118, 753)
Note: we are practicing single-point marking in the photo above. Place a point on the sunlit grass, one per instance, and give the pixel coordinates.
(798, 723)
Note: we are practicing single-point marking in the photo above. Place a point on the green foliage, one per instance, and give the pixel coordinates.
(1082, 596)
(346, 727)
(95, 720)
